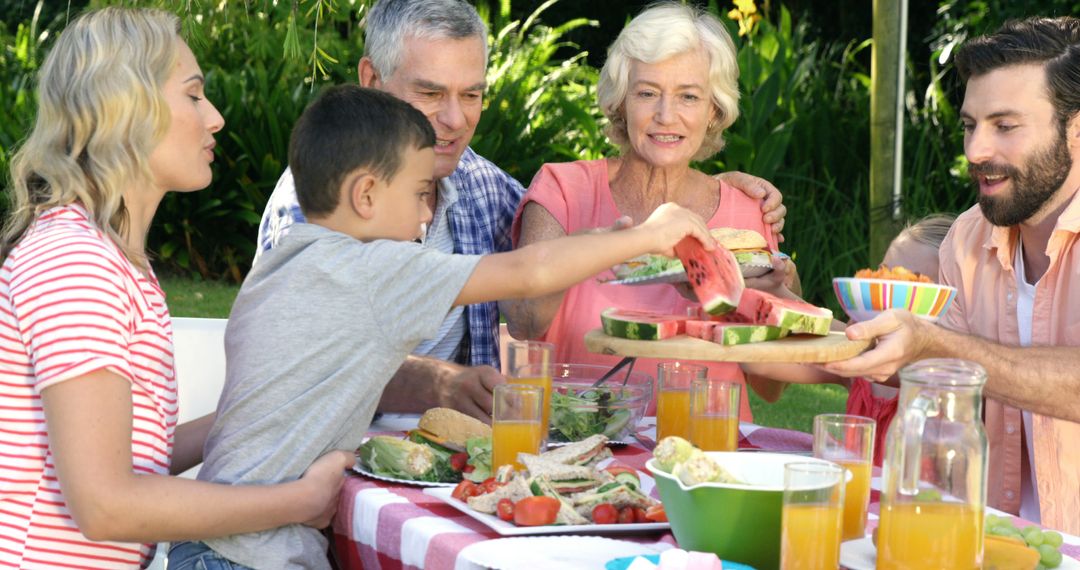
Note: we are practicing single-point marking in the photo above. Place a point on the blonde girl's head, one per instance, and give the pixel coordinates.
(916, 247)
(100, 114)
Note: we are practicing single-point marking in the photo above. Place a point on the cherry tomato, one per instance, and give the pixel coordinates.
(489, 485)
(605, 513)
(464, 490)
(458, 461)
(536, 511)
(626, 515)
(505, 509)
(639, 515)
(656, 513)
(468, 469)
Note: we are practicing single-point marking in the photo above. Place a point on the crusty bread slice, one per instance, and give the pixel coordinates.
(453, 425)
(733, 238)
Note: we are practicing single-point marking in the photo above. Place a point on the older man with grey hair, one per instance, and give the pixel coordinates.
(433, 55)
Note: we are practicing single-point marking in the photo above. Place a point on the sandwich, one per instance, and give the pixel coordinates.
(587, 452)
(749, 247)
(561, 477)
(617, 494)
(461, 444)
(516, 489)
(543, 485)
(448, 429)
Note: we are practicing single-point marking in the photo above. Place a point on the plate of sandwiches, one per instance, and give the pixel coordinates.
(749, 247)
(569, 474)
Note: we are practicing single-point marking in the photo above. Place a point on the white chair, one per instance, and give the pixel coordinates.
(199, 353)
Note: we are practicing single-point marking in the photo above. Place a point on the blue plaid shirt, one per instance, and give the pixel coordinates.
(479, 220)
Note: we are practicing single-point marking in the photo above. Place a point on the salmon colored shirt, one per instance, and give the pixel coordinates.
(977, 259)
(578, 196)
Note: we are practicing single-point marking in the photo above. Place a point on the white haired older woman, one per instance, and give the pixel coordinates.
(86, 359)
(669, 89)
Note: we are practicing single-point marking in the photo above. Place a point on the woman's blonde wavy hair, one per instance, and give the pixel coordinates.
(100, 114)
(664, 30)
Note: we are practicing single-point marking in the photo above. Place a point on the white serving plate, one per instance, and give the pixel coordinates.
(509, 529)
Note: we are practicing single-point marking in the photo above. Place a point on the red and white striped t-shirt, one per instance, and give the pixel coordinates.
(70, 304)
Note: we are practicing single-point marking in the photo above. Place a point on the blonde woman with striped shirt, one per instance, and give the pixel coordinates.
(88, 398)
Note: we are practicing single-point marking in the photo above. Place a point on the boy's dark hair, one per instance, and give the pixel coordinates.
(349, 127)
(1052, 42)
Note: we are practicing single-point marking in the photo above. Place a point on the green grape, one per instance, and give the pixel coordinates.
(999, 531)
(992, 521)
(1040, 567)
(1033, 535)
(1049, 556)
(1053, 538)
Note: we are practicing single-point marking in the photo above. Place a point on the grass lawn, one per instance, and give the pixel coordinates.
(795, 409)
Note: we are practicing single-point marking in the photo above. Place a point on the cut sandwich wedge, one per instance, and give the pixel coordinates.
(563, 478)
(587, 452)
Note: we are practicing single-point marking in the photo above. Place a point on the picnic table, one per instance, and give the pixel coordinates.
(381, 525)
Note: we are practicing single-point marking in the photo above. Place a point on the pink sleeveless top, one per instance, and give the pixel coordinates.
(578, 196)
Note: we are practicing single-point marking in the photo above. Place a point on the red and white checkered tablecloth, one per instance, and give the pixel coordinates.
(388, 526)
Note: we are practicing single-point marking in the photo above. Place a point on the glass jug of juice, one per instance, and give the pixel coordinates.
(934, 474)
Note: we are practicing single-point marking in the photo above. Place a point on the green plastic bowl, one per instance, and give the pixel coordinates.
(740, 523)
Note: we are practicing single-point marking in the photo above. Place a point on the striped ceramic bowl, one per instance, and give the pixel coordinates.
(862, 299)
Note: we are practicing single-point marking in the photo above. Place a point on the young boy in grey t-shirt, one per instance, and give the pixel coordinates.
(325, 319)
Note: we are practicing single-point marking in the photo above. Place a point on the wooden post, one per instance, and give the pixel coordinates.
(886, 122)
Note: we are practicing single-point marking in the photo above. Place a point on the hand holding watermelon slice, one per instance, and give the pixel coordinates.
(671, 224)
(714, 275)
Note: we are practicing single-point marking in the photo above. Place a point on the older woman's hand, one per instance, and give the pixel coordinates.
(772, 201)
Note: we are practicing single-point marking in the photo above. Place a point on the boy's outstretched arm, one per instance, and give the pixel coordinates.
(553, 265)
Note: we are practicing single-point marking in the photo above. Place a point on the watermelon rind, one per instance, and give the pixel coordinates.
(802, 323)
(796, 317)
(623, 324)
(729, 335)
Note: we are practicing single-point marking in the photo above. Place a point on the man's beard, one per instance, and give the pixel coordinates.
(1032, 187)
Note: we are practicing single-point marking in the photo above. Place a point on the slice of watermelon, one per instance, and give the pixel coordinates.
(642, 325)
(714, 275)
(745, 334)
(700, 329)
(796, 317)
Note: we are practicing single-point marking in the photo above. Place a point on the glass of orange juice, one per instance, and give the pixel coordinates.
(714, 415)
(812, 516)
(673, 397)
(515, 425)
(530, 364)
(848, 441)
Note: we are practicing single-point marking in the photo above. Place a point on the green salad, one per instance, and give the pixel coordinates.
(655, 264)
(576, 416)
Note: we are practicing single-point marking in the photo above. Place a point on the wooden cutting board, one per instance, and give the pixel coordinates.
(800, 348)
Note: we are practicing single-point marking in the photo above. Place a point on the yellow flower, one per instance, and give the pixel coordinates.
(745, 13)
(746, 6)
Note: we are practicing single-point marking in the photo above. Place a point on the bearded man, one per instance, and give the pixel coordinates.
(1015, 262)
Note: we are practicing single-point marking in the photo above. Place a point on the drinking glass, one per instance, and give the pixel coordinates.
(812, 516)
(530, 364)
(515, 425)
(848, 441)
(714, 415)
(673, 397)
